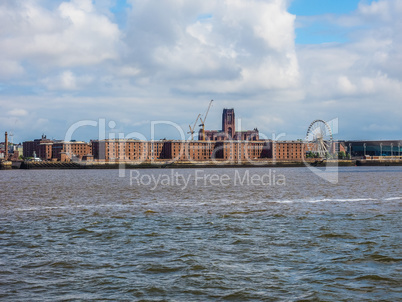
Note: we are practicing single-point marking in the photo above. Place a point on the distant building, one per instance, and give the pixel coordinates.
(373, 148)
(289, 150)
(68, 151)
(31, 148)
(16, 148)
(147, 151)
(47, 149)
(228, 131)
(128, 150)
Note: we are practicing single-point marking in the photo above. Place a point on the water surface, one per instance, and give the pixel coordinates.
(92, 235)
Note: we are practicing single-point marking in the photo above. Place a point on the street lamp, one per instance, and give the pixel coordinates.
(392, 146)
(364, 146)
(380, 149)
(350, 150)
(399, 149)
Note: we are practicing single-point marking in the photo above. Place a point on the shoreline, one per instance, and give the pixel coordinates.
(192, 165)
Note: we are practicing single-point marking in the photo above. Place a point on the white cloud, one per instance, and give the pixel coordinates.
(73, 34)
(17, 112)
(243, 45)
(171, 57)
(345, 85)
(361, 79)
(127, 71)
(66, 80)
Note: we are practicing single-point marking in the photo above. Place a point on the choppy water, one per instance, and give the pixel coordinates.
(92, 235)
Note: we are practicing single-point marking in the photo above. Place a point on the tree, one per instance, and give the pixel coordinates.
(341, 155)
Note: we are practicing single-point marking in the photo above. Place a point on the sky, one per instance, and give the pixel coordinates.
(137, 68)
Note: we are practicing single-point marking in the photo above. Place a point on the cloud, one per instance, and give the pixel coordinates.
(67, 80)
(10, 69)
(167, 59)
(362, 78)
(73, 34)
(241, 45)
(17, 112)
(345, 86)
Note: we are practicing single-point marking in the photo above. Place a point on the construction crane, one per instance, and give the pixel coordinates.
(192, 129)
(203, 121)
(11, 135)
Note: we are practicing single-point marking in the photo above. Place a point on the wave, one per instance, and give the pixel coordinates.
(201, 203)
(89, 206)
(393, 198)
(337, 200)
(323, 200)
(375, 278)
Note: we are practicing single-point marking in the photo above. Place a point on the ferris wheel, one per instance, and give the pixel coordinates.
(319, 138)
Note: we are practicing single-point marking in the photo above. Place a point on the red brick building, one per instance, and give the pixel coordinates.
(31, 148)
(288, 150)
(44, 150)
(189, 150)
(148, 151)
(126, 150)
(67, 151)
(47, 149)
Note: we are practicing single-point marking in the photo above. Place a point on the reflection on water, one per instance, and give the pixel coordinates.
(89, 234)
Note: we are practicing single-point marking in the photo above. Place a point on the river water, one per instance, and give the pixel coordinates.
(247, 234)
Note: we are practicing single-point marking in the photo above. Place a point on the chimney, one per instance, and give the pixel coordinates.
(6, 146)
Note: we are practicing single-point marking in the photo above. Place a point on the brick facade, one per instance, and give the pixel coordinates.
(147, 151)
(67, 151)
(288, 150)
(31, 148)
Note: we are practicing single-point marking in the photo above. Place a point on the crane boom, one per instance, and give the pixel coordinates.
(192, 129)
(203, 121)
(195, 123)
(210, 103)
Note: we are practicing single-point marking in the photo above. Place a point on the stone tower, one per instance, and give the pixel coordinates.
(228, 122)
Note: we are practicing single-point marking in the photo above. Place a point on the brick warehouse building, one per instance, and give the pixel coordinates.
(147, 151)
(47, 149)
(289, 150)
(67, 151)
(135, 150)
(127, 150)
(31, 148)
(228, 131)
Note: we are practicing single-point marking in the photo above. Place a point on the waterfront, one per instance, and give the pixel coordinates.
(92, 235)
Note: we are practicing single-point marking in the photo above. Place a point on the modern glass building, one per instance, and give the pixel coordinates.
(374, 148)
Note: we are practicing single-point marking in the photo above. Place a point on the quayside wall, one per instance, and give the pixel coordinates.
(5, 165)
(365, 162)
(200, 164)
(179, 164)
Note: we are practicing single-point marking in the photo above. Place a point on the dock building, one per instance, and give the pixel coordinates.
(374, 149)
(135, 150)
(56, 150)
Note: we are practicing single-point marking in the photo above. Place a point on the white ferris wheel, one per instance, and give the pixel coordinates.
(319, 138)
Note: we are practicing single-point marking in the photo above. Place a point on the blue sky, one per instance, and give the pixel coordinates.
(321, 7)
(319, 30)
(279, 63)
